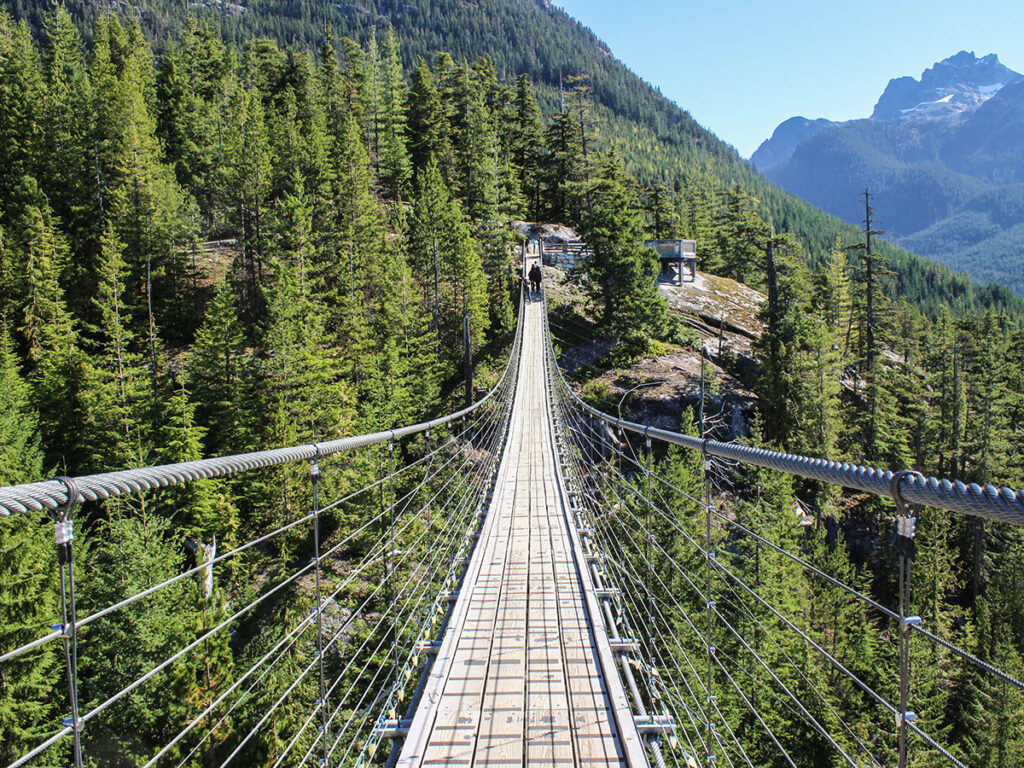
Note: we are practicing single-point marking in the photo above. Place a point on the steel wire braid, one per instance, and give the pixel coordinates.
(988, 501)
(51, 494)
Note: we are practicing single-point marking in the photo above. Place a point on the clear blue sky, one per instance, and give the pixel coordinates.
(741, 67)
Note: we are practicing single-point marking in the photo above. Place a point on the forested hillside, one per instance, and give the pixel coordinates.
(943, 157)
(361, 210)
(659, 142)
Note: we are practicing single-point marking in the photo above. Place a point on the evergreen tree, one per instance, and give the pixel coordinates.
(135, 551)
(219, 371)
(660, 212)
(250, 181)
(564, 171)
(425, 119)
(21, 97)
(528, 145)
(27, 577)
(394, 167)
(740, 236)
(621, 268)
(201, 509)
(994, 707)
(70, 178)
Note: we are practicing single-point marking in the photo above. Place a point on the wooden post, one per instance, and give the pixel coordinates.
(467, 360)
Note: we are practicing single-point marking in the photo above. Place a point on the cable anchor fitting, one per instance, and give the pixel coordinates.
(63, 523)
(908, 715)
(314, 463)
(906, 514)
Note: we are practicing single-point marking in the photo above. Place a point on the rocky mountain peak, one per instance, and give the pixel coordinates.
(952, 87)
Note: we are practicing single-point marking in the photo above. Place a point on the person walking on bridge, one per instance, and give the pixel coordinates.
(535, 275)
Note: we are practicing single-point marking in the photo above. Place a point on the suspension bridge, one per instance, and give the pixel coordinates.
(516, 583)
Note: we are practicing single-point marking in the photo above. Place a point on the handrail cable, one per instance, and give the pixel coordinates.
(224, 556)
(439, 555)
(1001, 504)
(622, 564)
(52, 494)
(302, 625)
(344, 626)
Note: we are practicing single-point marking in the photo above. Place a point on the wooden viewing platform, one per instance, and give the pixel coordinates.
(525, 675)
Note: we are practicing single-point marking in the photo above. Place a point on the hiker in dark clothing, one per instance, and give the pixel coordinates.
(535, 277)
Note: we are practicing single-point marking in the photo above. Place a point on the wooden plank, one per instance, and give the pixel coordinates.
(522, 684)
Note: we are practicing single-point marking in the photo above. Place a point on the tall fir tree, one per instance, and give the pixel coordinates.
(621, 268)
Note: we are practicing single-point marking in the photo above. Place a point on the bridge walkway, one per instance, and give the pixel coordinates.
(524, 676)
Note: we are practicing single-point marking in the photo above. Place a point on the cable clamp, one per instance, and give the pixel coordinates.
(906, 526)
(711, 605)
(314, 463)
(77, 725)
(712, 699)
(911, 621)
(64, 531)
(713, 650)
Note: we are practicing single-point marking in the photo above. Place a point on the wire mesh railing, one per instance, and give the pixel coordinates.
(753, 633)
(297, 640)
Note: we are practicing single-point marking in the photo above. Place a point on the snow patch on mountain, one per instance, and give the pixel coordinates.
(949, 90)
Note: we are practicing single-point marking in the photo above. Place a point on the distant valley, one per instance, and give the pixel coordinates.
(943, 155)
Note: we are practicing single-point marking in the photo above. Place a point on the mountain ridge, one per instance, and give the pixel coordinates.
(659, 141)
(930, 151)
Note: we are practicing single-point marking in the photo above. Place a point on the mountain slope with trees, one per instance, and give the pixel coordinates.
(660, 143)
(367, 205)
(944, 156)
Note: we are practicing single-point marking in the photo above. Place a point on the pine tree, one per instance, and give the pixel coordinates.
(249, 158)
(135, 550)
(395, 169)
(658, 204)
(447, 261)
(564, 171)
(306, 394)
(621, 268)
(219, 368)
(201, 509)
(356, 87)
(425, 119)
(740, 235)
(146, 206)
(21, 98)
(786, 366)
(38, 257)
(70, 179)
(120, 409)
(528, 145)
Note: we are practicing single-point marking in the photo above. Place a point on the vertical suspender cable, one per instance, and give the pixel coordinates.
(314, 475)
(64, 533)
(391, 575)
(906, 524)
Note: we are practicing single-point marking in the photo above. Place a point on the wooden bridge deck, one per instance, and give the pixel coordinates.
(520, 679)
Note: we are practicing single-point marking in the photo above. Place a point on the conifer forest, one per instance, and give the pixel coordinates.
(213, 242)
